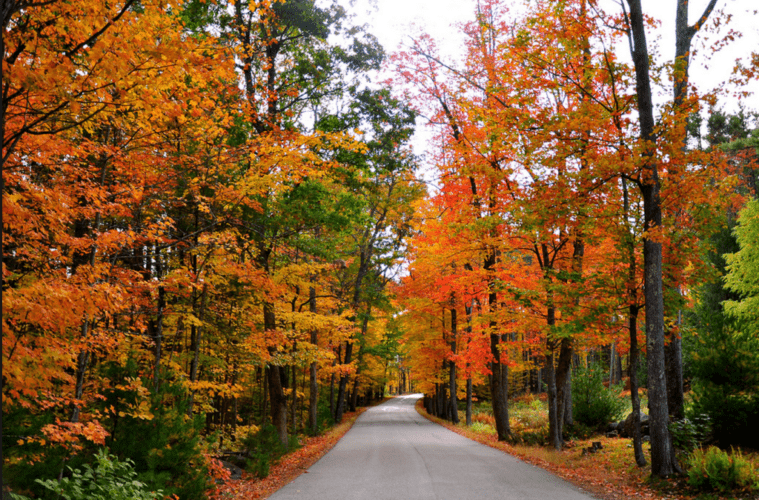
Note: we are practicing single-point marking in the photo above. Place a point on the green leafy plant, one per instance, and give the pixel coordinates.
(690, 432)
(717, 470)
(111, 479)
(264, 447)
(593, 404)
(483, 428)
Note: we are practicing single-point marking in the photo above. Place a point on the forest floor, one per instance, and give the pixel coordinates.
(290, 466)
(610, 473)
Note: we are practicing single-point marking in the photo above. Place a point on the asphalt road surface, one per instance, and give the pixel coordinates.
(392, 452)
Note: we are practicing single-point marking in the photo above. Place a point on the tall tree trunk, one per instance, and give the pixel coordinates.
(469, 309)
(662, 457)
(454, 409)
(632, 318)
(158, 340)
(640, 459)
(469, 401)
(563, 367)
(499, 381)
(568, 417)
(674, 364)
(195, 346)
(340, 408)
(313, 398)
(274, 374)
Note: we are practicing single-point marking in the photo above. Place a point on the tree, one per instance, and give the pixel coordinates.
(663, 461)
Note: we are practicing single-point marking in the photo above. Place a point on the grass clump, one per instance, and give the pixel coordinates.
(717, 470)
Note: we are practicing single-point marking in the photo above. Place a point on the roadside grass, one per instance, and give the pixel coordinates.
(609, 474)
(287, 468)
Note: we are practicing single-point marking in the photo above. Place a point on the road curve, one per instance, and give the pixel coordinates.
(392, 452)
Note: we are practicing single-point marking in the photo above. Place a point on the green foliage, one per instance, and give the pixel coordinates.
(593, 404)
(578, 430)
(168, 454)
(264, 447)
(722, 350)
(110, 480)
(718, 470)
(690, 432)
(743, 269)
(20, 469)
(483, 428)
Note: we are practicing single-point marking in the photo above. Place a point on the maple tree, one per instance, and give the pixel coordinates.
(172, 240)
(539, 136)
(205, 207)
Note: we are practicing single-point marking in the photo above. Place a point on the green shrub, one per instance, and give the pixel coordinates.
(483, 428)
(110, 480)
(593, 404)
(579, 430)
(718, 470)
(690, 432)
(169, 452)
(533, 437)
(264, 447)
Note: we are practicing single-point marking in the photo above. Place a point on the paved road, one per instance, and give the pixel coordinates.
(392, 452)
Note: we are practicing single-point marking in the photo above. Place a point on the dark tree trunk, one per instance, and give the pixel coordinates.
(553, 417)
(454, 410)
(342, 386)
(674, 364)
(563, 393)
(499, 381)
(662, 457)
(469, 401)
(568, 417)
(158, 340)
(197, 333)
(313, 398)
(277, 382)
(640, 459)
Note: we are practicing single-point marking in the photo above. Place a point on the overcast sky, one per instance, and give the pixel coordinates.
(391, 21)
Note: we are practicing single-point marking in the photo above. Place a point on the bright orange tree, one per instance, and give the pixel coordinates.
(538, 124)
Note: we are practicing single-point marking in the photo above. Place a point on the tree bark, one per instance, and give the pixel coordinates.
(158, 340)
(662, 458)
(454, 409)
(341, 388)
(313, 399)
(196, 338)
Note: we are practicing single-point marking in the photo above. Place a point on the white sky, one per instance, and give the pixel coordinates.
(391, 21)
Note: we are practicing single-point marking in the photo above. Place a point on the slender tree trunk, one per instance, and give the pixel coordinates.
(81, 368)
(274, 373)
(196, 338)
(313, 400)
(640, 459)
(499, 381)
(568, 417)
(158, 340)
(454, 410)
(674, 366)
(469, 401)
(563, 393)
(343, 384)
(662, 457)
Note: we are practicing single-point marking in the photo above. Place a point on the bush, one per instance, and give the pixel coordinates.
(690, 432)
(579, 431)
(169, 452)
(593, 404)
(718, 470)
(110, 480)
(482, 428)
(264, 447)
